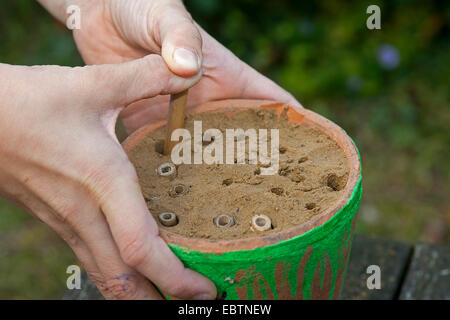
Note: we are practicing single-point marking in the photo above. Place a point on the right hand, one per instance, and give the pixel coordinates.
(114, 31)
(60, 161)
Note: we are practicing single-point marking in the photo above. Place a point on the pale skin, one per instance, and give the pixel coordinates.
(60, 159)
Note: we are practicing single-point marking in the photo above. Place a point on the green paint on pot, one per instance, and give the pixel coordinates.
(309, 266)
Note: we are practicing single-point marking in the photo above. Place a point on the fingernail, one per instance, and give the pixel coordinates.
(186, 58)
(203, 296)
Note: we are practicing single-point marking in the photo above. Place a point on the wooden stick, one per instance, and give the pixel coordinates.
(176, 118)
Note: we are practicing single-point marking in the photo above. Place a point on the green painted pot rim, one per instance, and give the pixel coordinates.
(303, 116)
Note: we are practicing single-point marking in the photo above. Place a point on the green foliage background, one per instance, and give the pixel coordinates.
(320, 51)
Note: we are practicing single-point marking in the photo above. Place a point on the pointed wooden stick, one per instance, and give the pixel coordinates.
(176, 118)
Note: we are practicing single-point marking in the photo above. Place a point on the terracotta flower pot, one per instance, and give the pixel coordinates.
(307, 261)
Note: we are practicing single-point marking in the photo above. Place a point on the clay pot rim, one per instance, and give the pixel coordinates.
(306, 117)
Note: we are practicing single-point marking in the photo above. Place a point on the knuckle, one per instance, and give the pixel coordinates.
(97, 279)
(78, 77)
(133, 250)
(157, 15)
(175, 10)
(67, 213)
(100, 177)
(122, 287)
(71, 239)
(164, 83)
(97, 180)
(186, 28)
(96, 177)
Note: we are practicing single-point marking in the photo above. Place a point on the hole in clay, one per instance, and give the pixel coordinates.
(223, 221)
(260, 222)
(278, 191)
(302, 159)
(227, 182)
(159, 146)
(283, 171)
(257, 171)
(296, 177)
(178, 190)
(336, 183)
(310, 206)
(283, 150)
(165, 169)
(168, 219)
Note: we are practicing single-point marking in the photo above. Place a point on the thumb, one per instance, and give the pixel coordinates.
(180, 39)
(112, 85)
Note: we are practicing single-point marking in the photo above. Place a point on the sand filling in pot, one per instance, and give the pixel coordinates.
(312, 174)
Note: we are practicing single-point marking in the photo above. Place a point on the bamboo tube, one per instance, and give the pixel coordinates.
(176, 118)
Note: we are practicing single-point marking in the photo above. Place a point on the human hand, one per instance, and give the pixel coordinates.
(61, 162)
(114, 31)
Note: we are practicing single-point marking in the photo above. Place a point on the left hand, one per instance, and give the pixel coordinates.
(114, 31)
(60, 161)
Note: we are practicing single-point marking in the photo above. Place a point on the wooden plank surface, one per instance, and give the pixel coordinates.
(391, 256)
(428, 276)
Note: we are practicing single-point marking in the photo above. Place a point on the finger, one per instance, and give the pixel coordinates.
(140, 246)
(122, 84)
(76, 218)
(179, 38)
(257, 86)
(145, 111)
(250, 83)
(75, 243)
(118, 280)
(82, 252)
(84, 227)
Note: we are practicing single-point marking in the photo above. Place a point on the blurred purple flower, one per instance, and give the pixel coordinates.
(388, 56)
